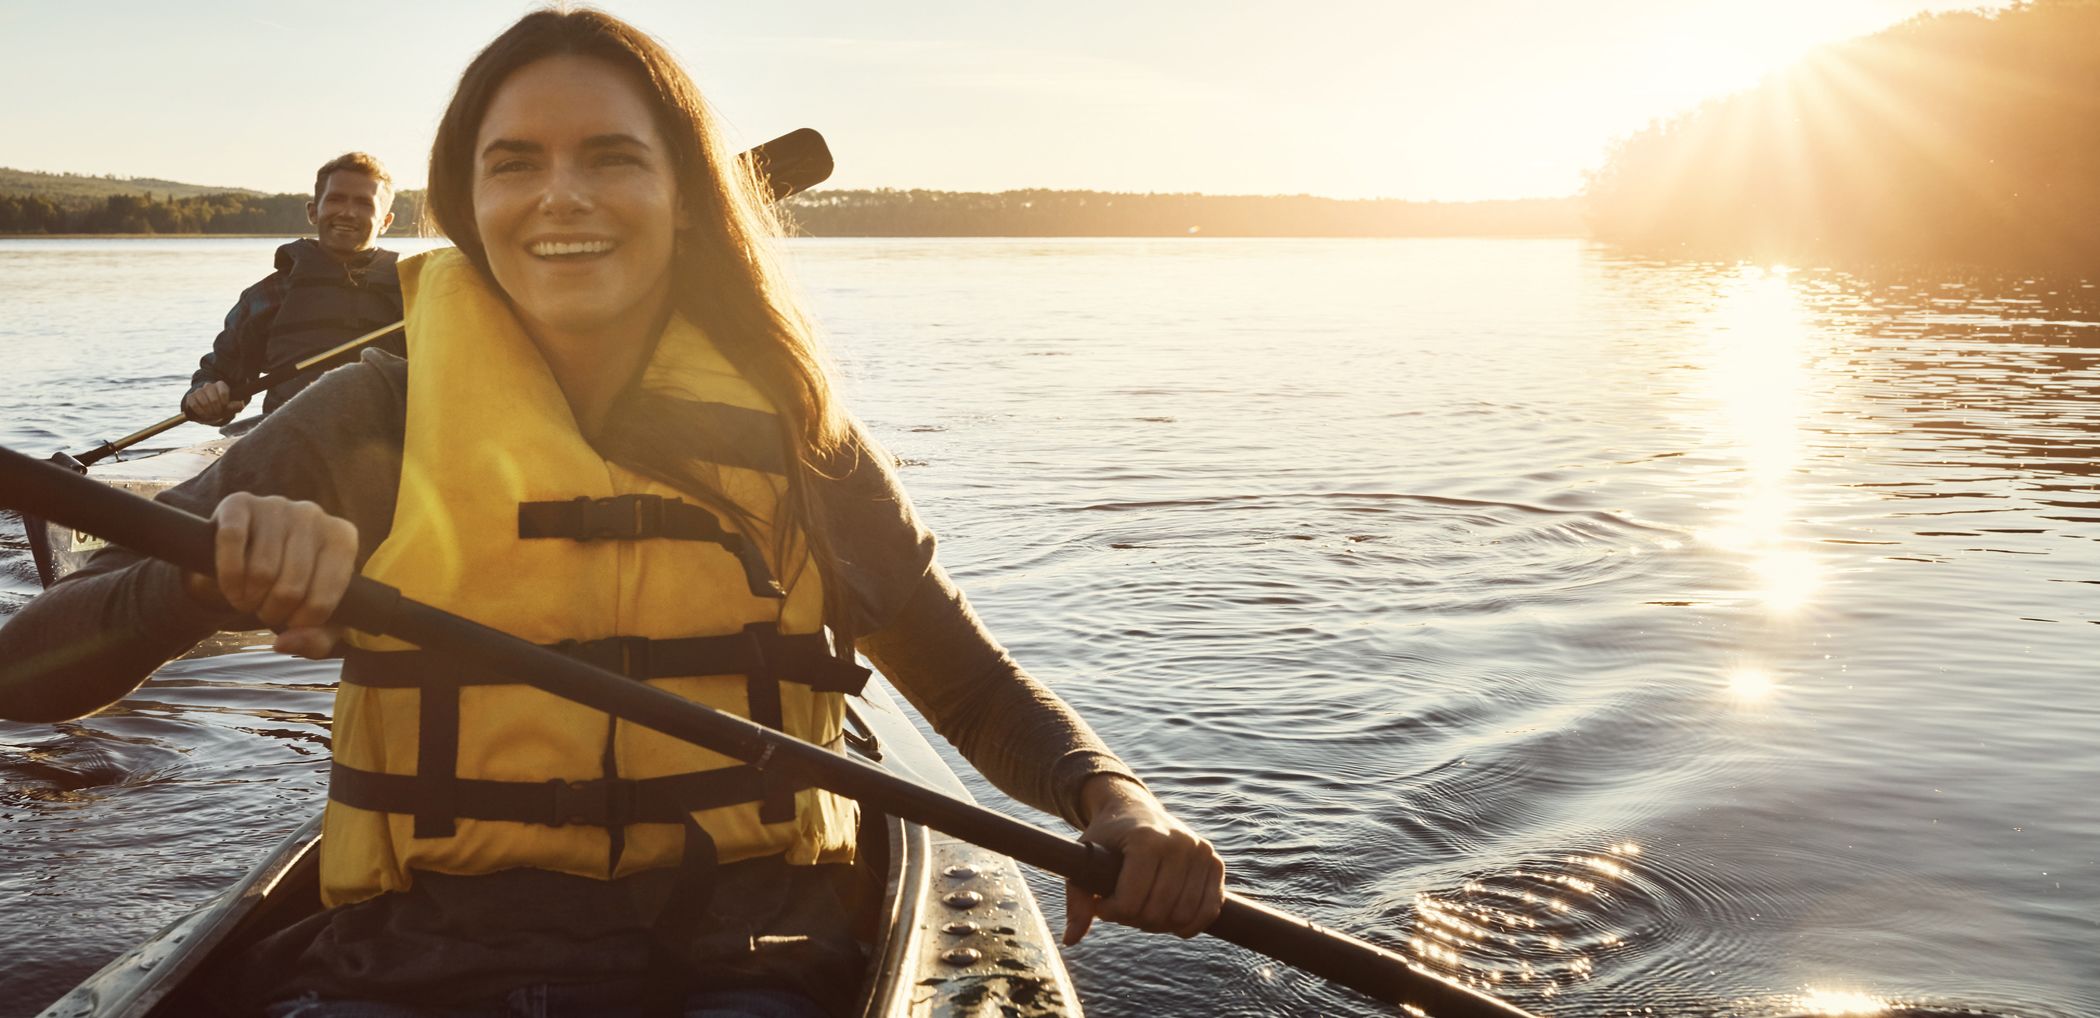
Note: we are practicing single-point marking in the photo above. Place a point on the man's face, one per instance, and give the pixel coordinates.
(349, 216)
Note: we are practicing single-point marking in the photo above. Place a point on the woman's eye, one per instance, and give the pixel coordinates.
(509, 166)
(619, 159)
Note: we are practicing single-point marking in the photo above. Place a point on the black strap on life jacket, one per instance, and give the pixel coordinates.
(598, 802)
(642, 518)
(436, 796)
(804, 658)
(737, 436)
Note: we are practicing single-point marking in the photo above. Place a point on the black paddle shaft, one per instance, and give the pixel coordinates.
(165, 532)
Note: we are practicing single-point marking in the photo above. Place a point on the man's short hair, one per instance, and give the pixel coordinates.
(361, 162)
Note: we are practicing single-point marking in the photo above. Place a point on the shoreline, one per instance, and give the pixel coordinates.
(1542, 235)
(160, 236)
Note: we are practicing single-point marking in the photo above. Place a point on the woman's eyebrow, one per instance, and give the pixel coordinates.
(517, 145)
(512, 145)
(613, 140)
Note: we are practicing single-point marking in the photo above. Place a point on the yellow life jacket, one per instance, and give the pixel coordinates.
(506, 515)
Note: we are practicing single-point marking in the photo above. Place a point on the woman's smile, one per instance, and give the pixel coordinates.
(569, 250)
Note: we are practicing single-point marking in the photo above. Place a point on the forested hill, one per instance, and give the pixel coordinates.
(916, 213)
(43, 203)
(66, 186)
(1959, 138)
(46, 203)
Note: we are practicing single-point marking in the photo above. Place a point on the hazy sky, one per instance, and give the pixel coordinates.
(1351, 98)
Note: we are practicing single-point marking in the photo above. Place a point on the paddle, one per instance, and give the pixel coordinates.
(164, 532)
(270, 377)
(792, 163)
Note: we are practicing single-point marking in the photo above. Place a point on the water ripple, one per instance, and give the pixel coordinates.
(1431, 579)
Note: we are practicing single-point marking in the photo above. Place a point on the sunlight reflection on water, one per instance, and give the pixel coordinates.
(1630, 637)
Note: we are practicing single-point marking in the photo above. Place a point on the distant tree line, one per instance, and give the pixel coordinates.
(1956, 138)
(147, 213)
(1044, 213)
(881, 213)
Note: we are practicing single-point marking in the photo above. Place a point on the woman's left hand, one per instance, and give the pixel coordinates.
(1172, 879)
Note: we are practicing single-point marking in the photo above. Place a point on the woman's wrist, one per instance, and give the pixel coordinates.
(1108, 790)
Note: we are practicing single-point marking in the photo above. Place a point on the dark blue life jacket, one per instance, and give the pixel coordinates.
(326, 304)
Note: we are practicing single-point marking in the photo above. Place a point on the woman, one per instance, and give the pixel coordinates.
(621, 441)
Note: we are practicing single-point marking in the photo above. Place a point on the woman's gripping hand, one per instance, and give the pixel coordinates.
(1172, 879)
(286, 563)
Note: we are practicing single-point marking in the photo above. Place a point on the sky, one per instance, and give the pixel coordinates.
(1345, 98)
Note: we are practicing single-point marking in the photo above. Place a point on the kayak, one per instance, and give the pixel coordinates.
(958, 934)
(59, 549)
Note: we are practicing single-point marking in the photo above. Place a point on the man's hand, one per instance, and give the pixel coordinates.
(211, 403)
(1172, 879)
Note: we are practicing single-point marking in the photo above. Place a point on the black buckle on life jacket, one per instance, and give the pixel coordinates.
(762, 692)
(599, 802)
(627, 655)
(619, 517)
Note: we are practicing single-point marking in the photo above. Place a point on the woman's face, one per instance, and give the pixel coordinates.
(576, 200)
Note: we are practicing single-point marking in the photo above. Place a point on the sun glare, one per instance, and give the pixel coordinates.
(1708, 50)
(1840, 1002)
(1787, 578)
(1751, 685)
(1757, 338)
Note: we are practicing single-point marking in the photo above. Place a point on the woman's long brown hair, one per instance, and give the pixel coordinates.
(723, 277)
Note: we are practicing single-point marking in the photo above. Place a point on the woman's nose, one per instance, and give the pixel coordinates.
(567, 193)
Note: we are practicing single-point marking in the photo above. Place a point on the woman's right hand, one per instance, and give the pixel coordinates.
(286, 563)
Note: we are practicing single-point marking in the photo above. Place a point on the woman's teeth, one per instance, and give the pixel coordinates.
(556, 249)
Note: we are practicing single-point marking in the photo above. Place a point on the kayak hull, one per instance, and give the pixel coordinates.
(958, 933)
(60, 550)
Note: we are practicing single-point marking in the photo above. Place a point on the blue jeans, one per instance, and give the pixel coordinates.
(552, 1001)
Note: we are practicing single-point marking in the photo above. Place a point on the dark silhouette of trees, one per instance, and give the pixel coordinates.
(1957, 138)
(883, 213)
(217, 213)
(916, 213)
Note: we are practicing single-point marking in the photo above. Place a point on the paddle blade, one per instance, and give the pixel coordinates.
(791, 163)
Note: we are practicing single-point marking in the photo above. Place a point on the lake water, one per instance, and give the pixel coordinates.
(1640, 638)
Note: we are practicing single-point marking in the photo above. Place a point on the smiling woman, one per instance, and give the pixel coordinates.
(576, 204)
(620, 438)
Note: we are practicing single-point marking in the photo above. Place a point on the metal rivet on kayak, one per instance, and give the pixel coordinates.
(960, 956)
(961, 871)
(960, 927)
(964, 899)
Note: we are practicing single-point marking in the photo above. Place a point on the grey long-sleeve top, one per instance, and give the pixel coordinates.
(97, 634)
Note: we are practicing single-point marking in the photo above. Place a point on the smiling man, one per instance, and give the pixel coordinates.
(327, 290)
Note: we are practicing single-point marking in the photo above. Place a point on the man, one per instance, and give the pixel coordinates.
(326, 291)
